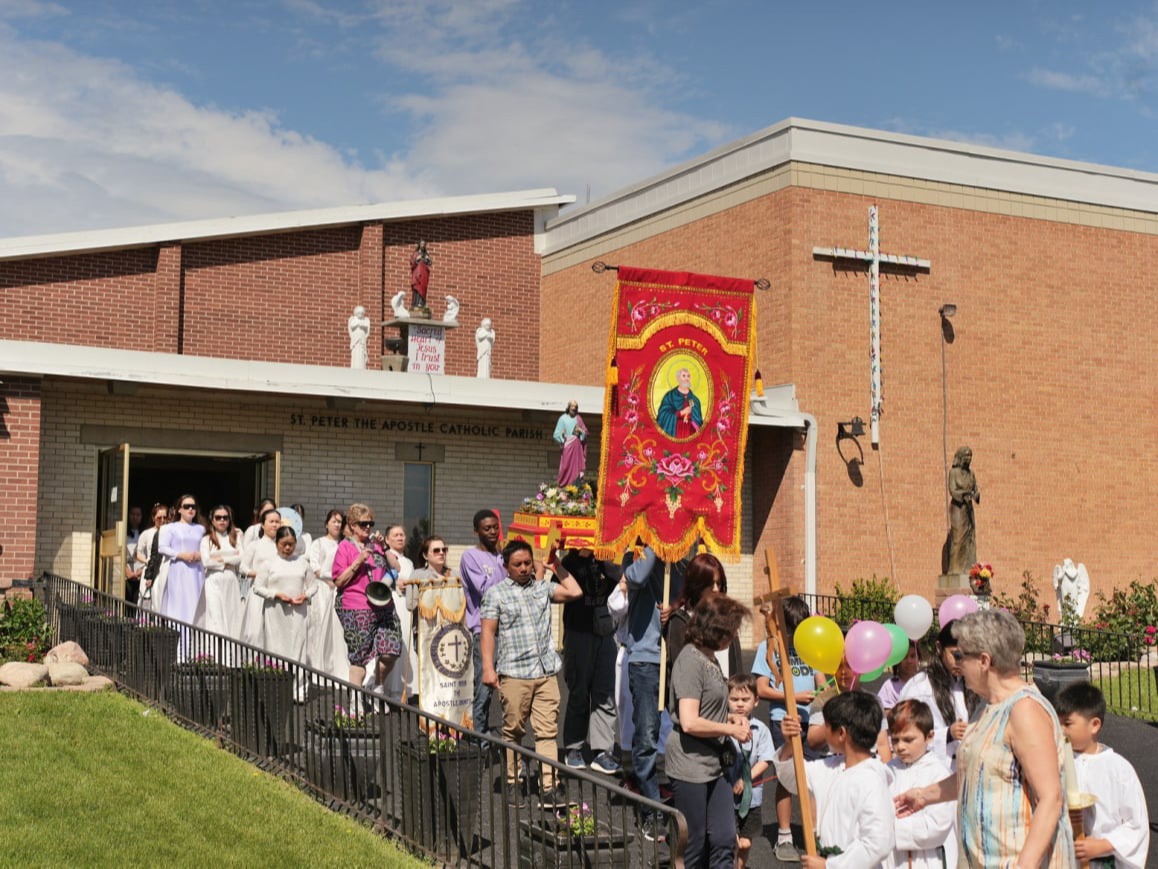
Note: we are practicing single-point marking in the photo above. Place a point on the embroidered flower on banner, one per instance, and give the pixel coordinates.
(643, 311)
(725, 315)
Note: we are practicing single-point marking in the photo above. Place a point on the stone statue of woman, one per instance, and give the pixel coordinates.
(964, 493)
(359, 328)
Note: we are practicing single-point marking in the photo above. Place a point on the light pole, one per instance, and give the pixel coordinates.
(947, 335)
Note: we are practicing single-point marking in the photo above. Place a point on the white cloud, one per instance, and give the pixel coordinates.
(86, 142)
(1065, 81)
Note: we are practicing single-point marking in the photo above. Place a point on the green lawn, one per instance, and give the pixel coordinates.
(97, 779)
(1132, 694)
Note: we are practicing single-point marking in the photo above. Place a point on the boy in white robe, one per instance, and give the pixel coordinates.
(922, 836)
(1118, 826)
(850, 790)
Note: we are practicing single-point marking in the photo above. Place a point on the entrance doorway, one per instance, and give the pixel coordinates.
(142, 477)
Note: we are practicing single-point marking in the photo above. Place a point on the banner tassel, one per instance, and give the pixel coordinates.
(759, 384)
(613, 382)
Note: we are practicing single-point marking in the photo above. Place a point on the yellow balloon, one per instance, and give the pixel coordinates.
(819, 643)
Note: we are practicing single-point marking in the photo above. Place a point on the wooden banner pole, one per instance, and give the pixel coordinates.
(663, 640)
(777, 639)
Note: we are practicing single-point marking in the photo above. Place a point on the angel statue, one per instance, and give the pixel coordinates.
(1071, 584)
(451, 315)
(398, 306)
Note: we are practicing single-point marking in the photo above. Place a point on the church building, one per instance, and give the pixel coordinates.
(1011, 315)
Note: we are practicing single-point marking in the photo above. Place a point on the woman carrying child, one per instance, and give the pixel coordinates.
(698, 751)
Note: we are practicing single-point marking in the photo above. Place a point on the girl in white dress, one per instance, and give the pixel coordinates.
(151, 591)
(325, 641)
(402, 679)
(254, 531)
(222, 606)
(283, 586)
(261, 549)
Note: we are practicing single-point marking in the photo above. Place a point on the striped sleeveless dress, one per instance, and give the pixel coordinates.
(994, 809)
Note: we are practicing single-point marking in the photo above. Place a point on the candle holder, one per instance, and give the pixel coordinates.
(1076, 807)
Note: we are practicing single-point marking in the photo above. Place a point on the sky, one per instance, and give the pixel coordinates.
(127, 112)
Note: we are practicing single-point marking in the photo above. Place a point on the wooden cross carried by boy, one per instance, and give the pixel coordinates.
(772, 607)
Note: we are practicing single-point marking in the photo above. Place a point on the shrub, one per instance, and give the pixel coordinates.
(1127, 610)
(24, 631)
(874, 599)
(1027, 606)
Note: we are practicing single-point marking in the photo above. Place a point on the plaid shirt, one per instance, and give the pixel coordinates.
(525, 648)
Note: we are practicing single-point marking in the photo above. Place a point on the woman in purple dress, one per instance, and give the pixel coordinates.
(180, 544)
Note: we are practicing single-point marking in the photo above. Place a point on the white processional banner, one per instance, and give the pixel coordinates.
(445, 665)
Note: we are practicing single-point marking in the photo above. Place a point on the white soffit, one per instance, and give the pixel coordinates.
(321, 381)
(545, 201)
(835, 145)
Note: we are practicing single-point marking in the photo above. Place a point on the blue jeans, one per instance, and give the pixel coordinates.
(643, 682)
(481, 707)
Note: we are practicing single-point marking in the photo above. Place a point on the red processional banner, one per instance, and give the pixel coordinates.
(675, 415)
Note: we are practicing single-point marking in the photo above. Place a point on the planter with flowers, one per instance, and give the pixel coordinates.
(441, 780)
(571, 838)
(261, 699)
(1059, 671)
(570, 508)
(200, 690)
(343, 755)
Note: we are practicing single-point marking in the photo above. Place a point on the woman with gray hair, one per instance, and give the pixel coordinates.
(1008, 780)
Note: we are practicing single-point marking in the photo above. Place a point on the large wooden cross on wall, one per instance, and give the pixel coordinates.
(875, 259)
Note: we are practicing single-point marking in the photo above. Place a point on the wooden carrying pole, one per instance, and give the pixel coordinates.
(773, 610)
(663, 639)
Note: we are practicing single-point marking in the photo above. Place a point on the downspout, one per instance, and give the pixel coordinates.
(810, 436)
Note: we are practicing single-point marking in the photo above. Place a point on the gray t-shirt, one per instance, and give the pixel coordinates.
(690, 758)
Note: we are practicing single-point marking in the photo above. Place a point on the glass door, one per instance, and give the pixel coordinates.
(112, 519)
(269, 477)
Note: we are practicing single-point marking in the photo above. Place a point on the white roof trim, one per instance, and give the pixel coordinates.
(546, 198)
(858, 148)
(239, 375)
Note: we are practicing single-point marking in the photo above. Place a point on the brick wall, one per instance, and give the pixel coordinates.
(286, 297)
(20, 415)
(1049, 378)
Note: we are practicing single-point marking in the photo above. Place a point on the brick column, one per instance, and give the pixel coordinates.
(19, 475)
(371, 290)
(168, 305)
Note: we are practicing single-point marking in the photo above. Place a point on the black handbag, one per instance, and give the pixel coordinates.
(153, 565)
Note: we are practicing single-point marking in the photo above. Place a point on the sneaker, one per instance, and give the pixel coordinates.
(574, 759)
(555, 798)
(654, 829)
(606, 764)
(515, 797)
(786, 852)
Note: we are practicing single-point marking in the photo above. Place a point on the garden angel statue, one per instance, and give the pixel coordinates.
(1071, 584)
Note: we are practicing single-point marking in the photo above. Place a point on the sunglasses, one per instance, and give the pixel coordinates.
(960, 656)
(438, 550)
(220, 517)
(366, 524)
(188, 506)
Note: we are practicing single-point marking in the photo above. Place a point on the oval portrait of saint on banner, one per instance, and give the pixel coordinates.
(680, 395)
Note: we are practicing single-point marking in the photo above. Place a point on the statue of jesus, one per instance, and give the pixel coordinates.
(420, 263)
(571, 435)
(963, 492)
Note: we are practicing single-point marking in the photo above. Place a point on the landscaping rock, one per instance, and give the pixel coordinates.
(67, 673)
(93, 683)
(20, 675)
(66, 652)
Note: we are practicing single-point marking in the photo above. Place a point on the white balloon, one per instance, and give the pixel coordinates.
(913, 615)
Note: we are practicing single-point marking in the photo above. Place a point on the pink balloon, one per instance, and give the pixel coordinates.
(955, 607)
(867, 646)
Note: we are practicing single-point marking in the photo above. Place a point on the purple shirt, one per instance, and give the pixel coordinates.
(480, 571)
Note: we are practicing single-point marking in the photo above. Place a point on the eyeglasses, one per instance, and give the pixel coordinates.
(188, 506)
(366, 524)
(960, 656)
(438, 550)
(220, 517)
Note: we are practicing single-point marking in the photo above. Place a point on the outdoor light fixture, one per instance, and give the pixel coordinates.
(947, 310)
(852, 429)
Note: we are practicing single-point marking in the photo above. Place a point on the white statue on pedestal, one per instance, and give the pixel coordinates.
(484, 341)
(398, 306)
(359, 328)
(451, 315)
(1071, 583)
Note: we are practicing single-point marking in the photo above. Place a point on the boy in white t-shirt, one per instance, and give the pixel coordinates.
(1118, 826)
(854, 811)
(925, 837)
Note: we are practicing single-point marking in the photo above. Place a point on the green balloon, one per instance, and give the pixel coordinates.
(873, 676)
(900, 646)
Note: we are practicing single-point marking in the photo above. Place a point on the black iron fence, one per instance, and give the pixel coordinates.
(1122, 665)
(442, 790)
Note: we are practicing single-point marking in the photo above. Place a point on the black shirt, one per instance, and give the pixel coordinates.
(597, 579)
